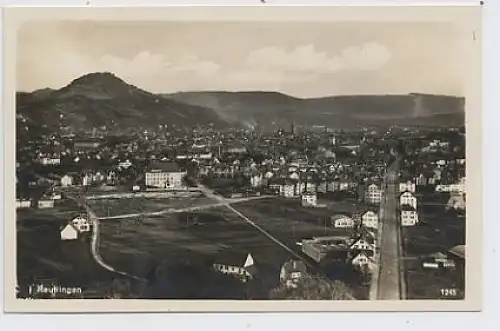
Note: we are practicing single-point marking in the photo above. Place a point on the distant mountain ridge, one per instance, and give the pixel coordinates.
(98, 99)
(255, 108)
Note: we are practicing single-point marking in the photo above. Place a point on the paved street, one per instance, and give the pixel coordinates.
(389, 287)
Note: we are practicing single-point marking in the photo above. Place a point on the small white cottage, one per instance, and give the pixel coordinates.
(69, 232)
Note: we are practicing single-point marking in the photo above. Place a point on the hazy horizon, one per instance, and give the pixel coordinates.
(236, 91)
(310, 60)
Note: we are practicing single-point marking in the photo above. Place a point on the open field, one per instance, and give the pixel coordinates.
(42, 255)
(112, 207)
(185, 244)
(174, 239)
(438, 232)
(204, 237)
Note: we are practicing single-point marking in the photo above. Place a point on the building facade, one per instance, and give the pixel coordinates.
(407, 187)
(408, 199)
(409, 217)
(373, 194)
(342, 221)
(165, 175)
(370, 219)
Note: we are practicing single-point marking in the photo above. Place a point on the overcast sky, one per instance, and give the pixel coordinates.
(303, 60)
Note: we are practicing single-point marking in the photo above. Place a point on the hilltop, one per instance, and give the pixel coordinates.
(98, 99)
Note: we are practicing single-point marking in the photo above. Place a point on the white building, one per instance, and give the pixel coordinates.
(362, 245)
(86, 180)
(125, 164)
(50, 161)
(342, 221)
(309, 199)
(165, 175)
(409, 217)
(69, 232)
(455, 188)
(45, 203)
(20, 203)
(66, 180)
(234, 268)
(373, 194)
(408, 199)
(407, 187)
(81, 224)
(370, 220)
(287, 190)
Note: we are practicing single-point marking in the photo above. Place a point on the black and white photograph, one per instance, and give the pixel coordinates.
(243, 160)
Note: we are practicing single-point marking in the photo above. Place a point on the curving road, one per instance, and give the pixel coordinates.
(94, 244)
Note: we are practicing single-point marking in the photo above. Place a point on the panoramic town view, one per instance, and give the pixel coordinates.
(322, 174)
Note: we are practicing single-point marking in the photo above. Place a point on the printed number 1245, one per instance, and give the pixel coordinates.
(449, 292)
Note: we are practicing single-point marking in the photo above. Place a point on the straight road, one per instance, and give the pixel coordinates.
(210, 193)
(183, 210)
(389, 280)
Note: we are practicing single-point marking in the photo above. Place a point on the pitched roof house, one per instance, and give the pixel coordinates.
(236, 264)
(69, 232)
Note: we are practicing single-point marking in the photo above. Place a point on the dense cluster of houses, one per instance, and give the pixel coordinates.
(356, 245)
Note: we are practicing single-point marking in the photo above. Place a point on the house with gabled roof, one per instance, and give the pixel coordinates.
(409, 216)
(81, 224)
(407, 198)
(69, 232)
(236, 264)
(407, 186)
(342, 221)
(373, 194)
(363, 244)
(364, 259)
